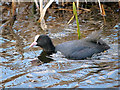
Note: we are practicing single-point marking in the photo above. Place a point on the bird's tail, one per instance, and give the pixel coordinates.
(96, 35)
(95, 38)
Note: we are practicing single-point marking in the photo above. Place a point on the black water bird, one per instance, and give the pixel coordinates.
(76, 49)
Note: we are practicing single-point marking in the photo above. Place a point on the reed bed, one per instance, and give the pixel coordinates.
(43, 5)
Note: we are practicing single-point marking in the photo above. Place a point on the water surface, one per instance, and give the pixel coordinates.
(20, 67)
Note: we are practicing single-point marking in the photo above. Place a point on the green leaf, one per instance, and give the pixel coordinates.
(75, 14)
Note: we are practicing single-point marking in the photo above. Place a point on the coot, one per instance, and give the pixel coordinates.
(76, 49)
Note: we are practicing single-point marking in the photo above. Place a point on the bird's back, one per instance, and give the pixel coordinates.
(81, 49)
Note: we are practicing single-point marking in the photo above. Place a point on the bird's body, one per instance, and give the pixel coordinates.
(76, 49)
(79, 49)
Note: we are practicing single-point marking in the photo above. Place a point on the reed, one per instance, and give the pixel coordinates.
(76, 16)
(43, 11)
(102, 11)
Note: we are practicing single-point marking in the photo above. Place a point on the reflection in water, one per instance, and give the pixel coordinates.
(11, 32)
(43, 58)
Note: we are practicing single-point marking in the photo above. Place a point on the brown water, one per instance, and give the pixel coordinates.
(20, 69)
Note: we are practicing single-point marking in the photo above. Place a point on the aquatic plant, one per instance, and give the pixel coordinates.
(102, 11)
(77, 22)
(42, 12)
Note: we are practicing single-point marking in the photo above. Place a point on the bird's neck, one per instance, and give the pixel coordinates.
(49, 48)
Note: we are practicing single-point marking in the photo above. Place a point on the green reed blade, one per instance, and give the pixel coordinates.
(75, 13)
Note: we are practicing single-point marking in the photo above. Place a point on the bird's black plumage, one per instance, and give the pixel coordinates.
(76, 49)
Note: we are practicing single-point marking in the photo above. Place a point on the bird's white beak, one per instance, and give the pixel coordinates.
(33, 44)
